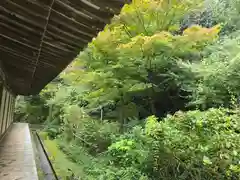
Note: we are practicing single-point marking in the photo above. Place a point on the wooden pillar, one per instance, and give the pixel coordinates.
(13, 108)
(2, 110)
(6, 104)
(1, 94)
(9, 111)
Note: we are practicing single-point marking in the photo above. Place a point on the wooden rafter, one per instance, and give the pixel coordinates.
(39, 38)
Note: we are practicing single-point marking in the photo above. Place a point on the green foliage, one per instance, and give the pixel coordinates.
(35, 107)
(214, 12)
(192, 145)
(211, 140)
(218, 75)
(107, 117)
(226, 12)
(63, 167)
(125, 63)
(96, 136)
(150, 16)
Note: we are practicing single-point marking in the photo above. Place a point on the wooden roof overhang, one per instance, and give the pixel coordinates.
(39, 38)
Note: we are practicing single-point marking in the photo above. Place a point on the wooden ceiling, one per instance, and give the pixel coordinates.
(39, 38)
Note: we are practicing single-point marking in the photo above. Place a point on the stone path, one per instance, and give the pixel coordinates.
(16, 154)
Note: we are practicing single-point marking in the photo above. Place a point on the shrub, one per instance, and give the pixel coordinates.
(191, 145)
(94, 135)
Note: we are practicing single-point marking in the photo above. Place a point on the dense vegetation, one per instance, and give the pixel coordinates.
(153, 97)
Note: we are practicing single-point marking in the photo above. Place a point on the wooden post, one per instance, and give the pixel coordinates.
(5, 111)
(13, 108)
(9, 111)
(2, 110)
(1, 93)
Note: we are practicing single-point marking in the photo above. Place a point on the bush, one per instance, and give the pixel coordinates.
(94, 135)
(187, 145)
(191, 145)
